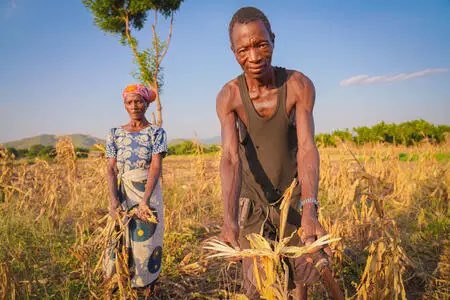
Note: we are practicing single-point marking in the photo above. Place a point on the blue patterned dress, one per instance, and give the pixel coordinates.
(133, 152)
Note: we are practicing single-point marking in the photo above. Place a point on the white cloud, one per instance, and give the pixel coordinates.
(366, 79)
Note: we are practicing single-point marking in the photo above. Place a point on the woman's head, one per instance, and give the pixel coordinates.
(137, 98)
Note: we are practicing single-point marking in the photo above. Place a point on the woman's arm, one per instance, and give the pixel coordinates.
(111, 177)
(153, 177)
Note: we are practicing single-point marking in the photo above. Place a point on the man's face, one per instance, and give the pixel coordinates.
(135, 106)
(253, 47)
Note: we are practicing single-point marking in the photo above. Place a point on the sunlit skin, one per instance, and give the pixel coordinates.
(253, 47)
(136, 107)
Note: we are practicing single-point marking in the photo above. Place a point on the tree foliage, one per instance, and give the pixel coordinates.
(43, 152)
(123, 18)
(38, 150)
(112, 15)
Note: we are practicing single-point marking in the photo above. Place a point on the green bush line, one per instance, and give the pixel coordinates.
(407, 134)
(44, 152)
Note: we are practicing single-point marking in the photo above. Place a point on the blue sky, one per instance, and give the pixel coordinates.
(369, 60)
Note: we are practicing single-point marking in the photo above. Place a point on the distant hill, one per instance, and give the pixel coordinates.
(86, 141)
(176, 141)
(208, 141)
(212, 140)
(79, 140)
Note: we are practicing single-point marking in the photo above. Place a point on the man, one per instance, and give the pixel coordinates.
(266, 117)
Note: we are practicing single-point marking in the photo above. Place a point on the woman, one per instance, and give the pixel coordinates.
(135, 153)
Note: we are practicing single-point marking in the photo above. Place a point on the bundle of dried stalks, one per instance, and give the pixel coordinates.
(383, 274)
(65, 153)
(110, 235)
(6, 175)
(270, 271)
(7, 286)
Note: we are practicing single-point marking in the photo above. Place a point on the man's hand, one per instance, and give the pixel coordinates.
(230, 234)
(311, 228)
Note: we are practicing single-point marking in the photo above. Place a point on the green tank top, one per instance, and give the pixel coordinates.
(267, 148)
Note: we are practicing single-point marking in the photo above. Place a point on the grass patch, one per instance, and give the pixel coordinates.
(442, 157)
(408, 157)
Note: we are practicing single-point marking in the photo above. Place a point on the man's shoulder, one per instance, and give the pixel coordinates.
(229, 91)
(298, 78)
(299, 83)
(231, 85)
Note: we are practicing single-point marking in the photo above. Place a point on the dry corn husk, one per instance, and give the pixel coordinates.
(270, 272)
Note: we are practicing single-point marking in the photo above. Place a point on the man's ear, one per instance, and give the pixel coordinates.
(273, 39)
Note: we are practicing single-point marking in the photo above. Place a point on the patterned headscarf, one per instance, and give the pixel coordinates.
(147, 94)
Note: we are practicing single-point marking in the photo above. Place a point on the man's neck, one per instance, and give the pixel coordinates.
(266, 81)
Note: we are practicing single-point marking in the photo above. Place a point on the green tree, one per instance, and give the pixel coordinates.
(13, 151)
(123, 18)
(406, 133)
(363, 135)
(443, 131)
(212, 148)
(185, 147)
(22, 153)
(34, 150)
(47, 152)
(343, 135)
(81, 152)
(41, 151)
(324, 140)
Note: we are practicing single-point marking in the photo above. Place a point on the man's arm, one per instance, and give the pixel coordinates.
(307, 158)
(230, 167)
(307, 155)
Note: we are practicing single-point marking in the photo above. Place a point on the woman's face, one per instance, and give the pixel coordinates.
(135, 106)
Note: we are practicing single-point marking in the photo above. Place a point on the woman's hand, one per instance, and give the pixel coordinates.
(145, 213)
(142, 210)
(114, 207)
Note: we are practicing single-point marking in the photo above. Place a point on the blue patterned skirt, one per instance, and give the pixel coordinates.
(143, 240)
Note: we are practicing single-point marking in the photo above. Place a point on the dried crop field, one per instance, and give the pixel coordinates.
(388, 205)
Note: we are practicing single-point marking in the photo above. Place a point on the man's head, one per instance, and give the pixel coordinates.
(252, 41)
(249, 14)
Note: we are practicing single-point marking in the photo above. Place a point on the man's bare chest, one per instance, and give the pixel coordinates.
(265, 107)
